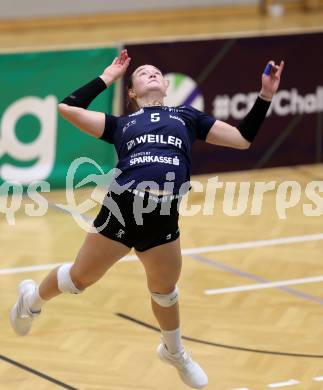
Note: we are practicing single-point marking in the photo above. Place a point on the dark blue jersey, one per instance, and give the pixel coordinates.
(154, 141)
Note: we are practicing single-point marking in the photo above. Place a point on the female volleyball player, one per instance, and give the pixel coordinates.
(153, 144)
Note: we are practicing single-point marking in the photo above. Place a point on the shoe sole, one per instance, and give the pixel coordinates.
(13, 313)
(13, 317)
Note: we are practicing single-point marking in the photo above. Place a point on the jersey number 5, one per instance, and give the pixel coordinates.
(155, 117)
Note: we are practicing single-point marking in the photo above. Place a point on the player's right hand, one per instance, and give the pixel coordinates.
(117, 69)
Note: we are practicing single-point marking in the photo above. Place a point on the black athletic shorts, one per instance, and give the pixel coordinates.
(141, 230)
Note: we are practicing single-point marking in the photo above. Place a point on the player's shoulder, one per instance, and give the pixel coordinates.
(181, 109)
(127, 117)
(133, 114)
(189, 111)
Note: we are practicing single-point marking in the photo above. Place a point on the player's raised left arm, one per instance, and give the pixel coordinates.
(241, 137)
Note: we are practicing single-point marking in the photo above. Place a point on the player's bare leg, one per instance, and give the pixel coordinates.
(95, 257)
(163, 267)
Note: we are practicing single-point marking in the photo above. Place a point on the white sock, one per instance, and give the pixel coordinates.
(34, 300)
(172, 340)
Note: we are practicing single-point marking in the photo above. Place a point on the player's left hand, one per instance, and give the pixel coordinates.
(271, 79)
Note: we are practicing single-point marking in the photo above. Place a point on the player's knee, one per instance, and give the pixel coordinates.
(166, 300)
(65, 282)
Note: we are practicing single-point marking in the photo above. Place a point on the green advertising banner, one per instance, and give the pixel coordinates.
(35, 142)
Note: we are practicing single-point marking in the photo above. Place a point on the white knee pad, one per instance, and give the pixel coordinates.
(166, 300)
(64, 280)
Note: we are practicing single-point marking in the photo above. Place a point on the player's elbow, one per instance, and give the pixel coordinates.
(244, 145)
(63, 109)
(67, 111)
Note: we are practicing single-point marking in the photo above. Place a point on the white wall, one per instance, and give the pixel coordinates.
(10, 9)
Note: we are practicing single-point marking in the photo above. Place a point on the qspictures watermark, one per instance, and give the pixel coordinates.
(233, 197)
(238, 197)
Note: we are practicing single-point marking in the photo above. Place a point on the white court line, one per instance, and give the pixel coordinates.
(254, 244)
(224, 247)
(32, 268)
(259, 286)
(290, 382)
(286, 383)
(72, 212)
(45, 267)
(241, 388)
(194, 251)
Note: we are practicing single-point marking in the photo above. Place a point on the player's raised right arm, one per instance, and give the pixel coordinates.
(74, 107)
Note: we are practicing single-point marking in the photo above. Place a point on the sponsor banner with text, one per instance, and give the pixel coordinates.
(223, 77)
(36, 144)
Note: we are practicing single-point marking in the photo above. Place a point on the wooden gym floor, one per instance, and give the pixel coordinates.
(257, 336)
